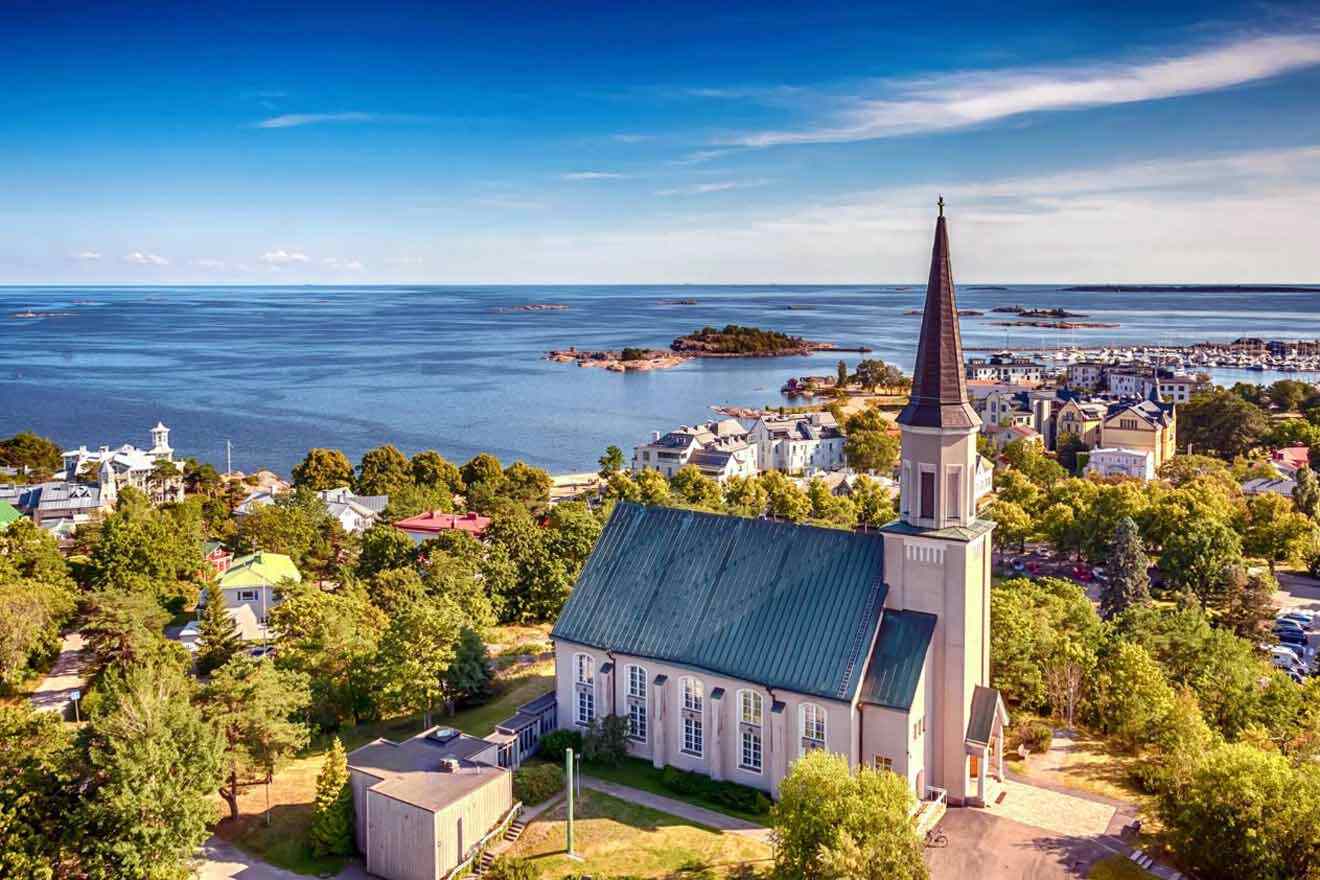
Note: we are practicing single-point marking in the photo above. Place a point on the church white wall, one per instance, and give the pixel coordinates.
(781, 740)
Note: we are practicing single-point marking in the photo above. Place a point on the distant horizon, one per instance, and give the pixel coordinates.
(1301, 286)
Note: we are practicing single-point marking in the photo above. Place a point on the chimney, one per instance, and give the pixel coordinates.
(449, 765)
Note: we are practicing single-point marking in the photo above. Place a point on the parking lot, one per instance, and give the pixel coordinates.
(994, 847)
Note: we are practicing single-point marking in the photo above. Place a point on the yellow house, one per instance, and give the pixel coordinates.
(1149, 424)
(1083, 419)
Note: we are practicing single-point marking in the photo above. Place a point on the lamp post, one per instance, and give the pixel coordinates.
(568, 766)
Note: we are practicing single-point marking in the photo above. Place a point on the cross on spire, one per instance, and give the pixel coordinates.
(941, 204)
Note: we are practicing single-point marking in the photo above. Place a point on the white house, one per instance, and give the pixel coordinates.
(1115, 461)
(734, 646)
(719, 449)
(356, 513)
(255, 580)
(797, 443)
(128, 465)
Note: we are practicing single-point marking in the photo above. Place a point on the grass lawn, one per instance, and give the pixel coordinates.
(1092, 766)
(616, 837)
(637, 773)
(294, 788)
(1117, 868)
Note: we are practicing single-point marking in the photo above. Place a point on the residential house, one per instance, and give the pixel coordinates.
(250, 628)
(1081, 418)
(720, 449)
(734, 646)
(1173, 387)
(256, 499)
(255, 580)
(129, 466)
(1006, 368)
(1141, 424)
(8, 515)
(54, 500)
(356, 513)
(1290, 459)
(217, 556)
(425, 526)
(1085, 375)
(795, 444)
(424, 806)
(1277, 485)
(1113, 461)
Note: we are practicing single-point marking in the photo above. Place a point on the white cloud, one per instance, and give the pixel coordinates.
(631, 138)
(959, 100)
(592, 175)
(716, 186)
(142, 258)
(293, 120)
(698, 156)
(87, 256)
(207, 263)
(281, 257)
(347, 265)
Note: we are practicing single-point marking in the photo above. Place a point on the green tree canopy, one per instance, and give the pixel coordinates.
(611, 462)
(332, 815)
(1222, 423)
(323, 469)
(218, 638)
(40, 456)
(1129, 581)
(383, 471)
(431, 469)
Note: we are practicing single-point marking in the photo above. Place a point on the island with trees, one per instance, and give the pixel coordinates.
(708, 342)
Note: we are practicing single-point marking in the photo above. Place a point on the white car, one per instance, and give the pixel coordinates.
(1286, 660)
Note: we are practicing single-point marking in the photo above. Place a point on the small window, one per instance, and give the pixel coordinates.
(693, 721)
(585, 672)
(927, 495)
(637, 703)
(953, 504)
(750, 755)
(884, 764)
(247, 595)
(749, 707)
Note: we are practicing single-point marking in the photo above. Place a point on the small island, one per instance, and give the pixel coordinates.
(1193, 288)
(1024, 312)
(708, 342)
(533, 307)
(1057, 325)
(678, 302)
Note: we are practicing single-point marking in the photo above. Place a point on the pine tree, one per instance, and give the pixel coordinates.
(468, 678)
(1306, 496)
(1129, 583)
(332, 816)
(218, 639)
(1250, 609)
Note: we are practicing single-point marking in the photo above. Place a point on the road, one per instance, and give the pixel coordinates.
(221, 860)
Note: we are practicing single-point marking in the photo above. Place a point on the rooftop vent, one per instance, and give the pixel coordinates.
(444, 734)
(449, 765)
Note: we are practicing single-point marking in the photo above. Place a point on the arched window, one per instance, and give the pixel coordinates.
(584, 666)
(637, 703)
(751, 718)
(693, 728)
(813, 727)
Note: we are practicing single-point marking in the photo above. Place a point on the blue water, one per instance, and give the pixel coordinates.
(280, 369)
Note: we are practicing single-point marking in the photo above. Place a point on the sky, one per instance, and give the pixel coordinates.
(647, 142)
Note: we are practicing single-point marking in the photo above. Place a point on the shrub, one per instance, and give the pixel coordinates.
(555, 743)
(508, 868)
(1035, 735)
(537, 783)
(726, 794)
(606, 740)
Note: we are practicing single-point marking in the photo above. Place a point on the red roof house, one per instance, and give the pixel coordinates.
(426, 526)
(1292, 457)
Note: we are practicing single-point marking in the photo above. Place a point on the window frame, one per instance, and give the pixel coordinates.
(584, 687)
(247, 595)
(692, 717)
(820, 721)
(751, 732)
(638, 704)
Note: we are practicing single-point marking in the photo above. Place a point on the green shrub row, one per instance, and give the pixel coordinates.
(537, 783)
(727, 794)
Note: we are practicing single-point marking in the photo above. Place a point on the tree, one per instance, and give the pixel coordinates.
(869, 443)
(1128, 571)
(1288, 394)
(1182, 469)
(1275, 531)
(653, 488)
(394, 589)
(1250, 610)
(695, 488)
(622, 487)
(431, 469)
(1245, 812)
(254, 705)
(611, 462)
(164, 473)
(384, 547)
(1013, 525)
(831, 824)
(218, 639)
(784, 498)
(1306, 495)
(875, 506)
(410, 500)
(332, 815)
(415, 653)
(125, 630)
(527, 484)
(1031, 460)
(469, 675)
(323, 469)
(38, 457)
(1132, 695)
(829, 509)
(841, 375)
(38, 793)
(1197, 556)
(1222, 423)
(141, 548)
(1067, 449)
(154, 764)
(383, 471)
(296, 525)
(332, 637)
(1070, 666)
(745, 496)
(1029, 620)
(484, 476)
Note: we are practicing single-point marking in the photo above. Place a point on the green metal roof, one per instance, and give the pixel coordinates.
(259, 570)
(896, 660)
(986, 704)
(949, 533)
(8, 514)
(781, 605)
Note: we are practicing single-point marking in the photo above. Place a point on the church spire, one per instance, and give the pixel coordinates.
(939, 385)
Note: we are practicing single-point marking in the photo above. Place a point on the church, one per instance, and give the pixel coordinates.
(733, 646)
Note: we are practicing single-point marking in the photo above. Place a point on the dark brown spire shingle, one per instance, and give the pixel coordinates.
(939, 385)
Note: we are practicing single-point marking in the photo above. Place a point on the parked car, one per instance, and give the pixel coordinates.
(1303, 618)
(1294, 637)
(1284, 659)
(1298, 651)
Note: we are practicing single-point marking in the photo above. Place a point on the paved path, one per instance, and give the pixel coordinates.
(698, 815)
(221, 860)
(65, 676)
(994, 847)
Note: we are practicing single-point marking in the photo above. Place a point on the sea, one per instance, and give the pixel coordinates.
(274, 371)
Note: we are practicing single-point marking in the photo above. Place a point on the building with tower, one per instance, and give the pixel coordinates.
(734, 646)
(127, 465)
